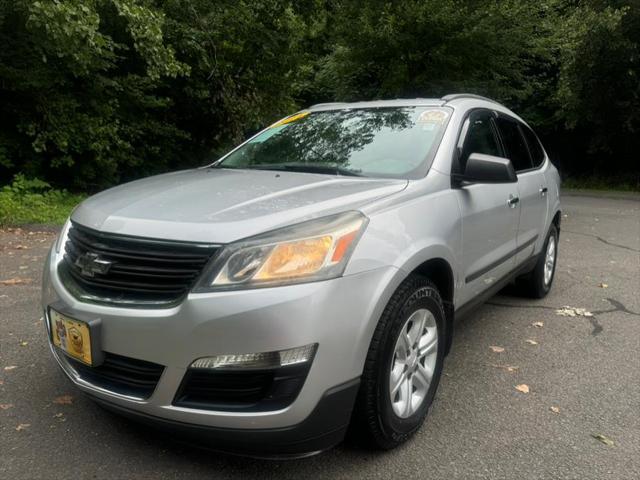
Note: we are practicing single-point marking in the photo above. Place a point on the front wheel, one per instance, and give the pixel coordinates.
(403, 366)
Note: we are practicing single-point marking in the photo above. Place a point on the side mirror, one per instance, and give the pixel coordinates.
(483, 168)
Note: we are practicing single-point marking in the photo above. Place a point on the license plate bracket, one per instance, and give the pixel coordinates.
(77, 336)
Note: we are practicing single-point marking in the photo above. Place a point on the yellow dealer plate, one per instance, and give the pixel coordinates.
(71, 335)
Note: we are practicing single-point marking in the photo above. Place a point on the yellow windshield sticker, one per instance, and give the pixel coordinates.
(290, 119)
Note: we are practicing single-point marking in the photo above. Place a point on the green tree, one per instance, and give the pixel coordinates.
(433, 47)
(75, 106)
(96, 92)
(598, 92)
(243, 57)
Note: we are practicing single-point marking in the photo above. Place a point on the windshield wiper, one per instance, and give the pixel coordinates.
(306, 168)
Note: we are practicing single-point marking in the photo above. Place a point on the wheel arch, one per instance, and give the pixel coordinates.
(435, 261)
(438, 267)
(557, 219)
(439, 271)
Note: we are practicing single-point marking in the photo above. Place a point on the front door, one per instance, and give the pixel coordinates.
(490, 213)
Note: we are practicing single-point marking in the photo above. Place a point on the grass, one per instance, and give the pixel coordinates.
(28, 201)
(630, 183)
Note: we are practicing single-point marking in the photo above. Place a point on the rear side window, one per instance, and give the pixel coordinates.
(480, 138)
(515, 145)
(537, 153)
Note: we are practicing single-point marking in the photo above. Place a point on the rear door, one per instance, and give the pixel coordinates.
(489, 219)
(523, 149)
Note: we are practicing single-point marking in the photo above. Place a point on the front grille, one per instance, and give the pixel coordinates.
(233, 390)
(124, 375)
(138, 270)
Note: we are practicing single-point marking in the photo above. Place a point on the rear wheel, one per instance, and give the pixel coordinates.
(538, 283)
(403, 366)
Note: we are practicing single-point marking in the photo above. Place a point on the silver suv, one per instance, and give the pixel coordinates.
(308, 280)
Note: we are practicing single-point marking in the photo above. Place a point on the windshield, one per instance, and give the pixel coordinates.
(397, 142)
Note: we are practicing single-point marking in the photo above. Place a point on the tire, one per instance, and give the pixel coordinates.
(536, 284)
(380, 420)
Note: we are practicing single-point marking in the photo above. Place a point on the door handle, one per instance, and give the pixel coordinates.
(513, 201)
(543, 191)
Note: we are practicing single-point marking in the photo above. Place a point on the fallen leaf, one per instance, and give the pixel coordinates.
(22, 426)
(522, 388)
(508, 368)
(24, 344)
(603, 439)
(532, 342)
(496, 349)
(58, 415)
(63, 400)
(6, 406)
(538, 324)
(567, 311)
(603, 285)
(21, 247)
(10, 367)
(23, 267)
(555, 409)
(15, 281)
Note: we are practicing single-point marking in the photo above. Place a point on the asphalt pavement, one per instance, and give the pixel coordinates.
(580, 418)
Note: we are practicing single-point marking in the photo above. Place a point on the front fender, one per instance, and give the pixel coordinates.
(423, 228)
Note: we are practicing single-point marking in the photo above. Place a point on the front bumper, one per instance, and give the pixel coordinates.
(322, 429)
(338, 315)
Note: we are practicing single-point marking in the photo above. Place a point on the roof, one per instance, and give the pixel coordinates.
(403, 102)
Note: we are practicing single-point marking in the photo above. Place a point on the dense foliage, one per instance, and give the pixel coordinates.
(95, 92)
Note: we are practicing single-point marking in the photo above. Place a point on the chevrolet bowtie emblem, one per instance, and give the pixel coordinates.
(90, 263)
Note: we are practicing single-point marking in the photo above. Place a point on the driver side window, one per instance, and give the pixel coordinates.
(481, 138)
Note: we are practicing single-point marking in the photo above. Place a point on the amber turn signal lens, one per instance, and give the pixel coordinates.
(342, 245)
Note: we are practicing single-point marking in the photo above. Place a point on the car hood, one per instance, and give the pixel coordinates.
(222, 205)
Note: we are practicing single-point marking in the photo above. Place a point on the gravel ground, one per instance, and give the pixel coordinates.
(586, 368)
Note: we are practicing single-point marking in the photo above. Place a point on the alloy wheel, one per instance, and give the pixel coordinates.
(413, 364)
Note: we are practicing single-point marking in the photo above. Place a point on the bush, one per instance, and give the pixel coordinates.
(34, 201)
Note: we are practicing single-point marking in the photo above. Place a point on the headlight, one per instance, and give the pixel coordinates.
(310, 251)
(62, 236)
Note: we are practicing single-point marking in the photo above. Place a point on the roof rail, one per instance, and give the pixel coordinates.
(327, 104)
(455, 96)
